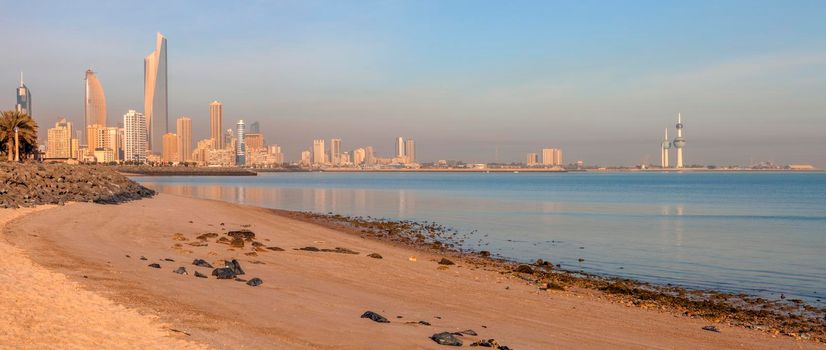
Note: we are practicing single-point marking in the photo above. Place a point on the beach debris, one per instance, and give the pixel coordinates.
(446, 338)
(143, 258)
(524, 269)
(181, 271)
(550, 285)
(257, 244)
(374, 255)
(179, 237)
(246, 235)
(374, 316)
(223, 273)
(412, 258)
(169, 259)
(711, 329)
(155, 265)
(201, 263)
(276, 249)
(180, 331)
(206, 236)
(466, 332)
(485, 343)
(446, 261)
(237, 243)
(255, 282)
(200, 275)
(235, 266)
(424, 323)
(309, 249)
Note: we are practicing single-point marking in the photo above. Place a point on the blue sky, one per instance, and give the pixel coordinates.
(601, 79)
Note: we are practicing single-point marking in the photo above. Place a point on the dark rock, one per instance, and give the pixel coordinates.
(223, 273)
(143, 258)
(424, 323)
(445, 261)
(235, 266)
(711, 329)
(503, 347)
(340, 250)
(200, 275)
(446, 338)
(242, 234)
(168, 259)
(309, 249)
(223, 240)
(486, 343)
(127, 255)
(206, 236)
(467, 332)
(524, 269)
(580, 259)
(255, 282)
(484, 253)
(374, 255)
(155, 265)
(201, 263)
(276, 249)
(238, 279)
(181, 271)
(374, 316)
(237, 243)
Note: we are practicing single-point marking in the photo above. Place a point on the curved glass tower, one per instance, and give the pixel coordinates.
(94, 108)
(155, 98)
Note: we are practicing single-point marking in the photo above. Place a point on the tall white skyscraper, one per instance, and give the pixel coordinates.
(400, 147)
(335, 151)
(134, 134)
(155, 96)
(318, 152)
(239, 143)
(410, 151)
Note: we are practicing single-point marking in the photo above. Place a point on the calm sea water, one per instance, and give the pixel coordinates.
(759, 233)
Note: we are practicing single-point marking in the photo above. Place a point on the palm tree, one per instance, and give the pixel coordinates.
(26, 137)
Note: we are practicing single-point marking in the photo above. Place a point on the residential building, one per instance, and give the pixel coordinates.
(358, 156)
(410, 151)
(533, 159)
(335, 151)
(240, 147)
(319, 157)
(183, 128)
(216, 123)
(134, 132)
(170, 148)
(59, 140)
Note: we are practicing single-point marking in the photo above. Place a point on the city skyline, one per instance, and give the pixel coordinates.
(499, 103)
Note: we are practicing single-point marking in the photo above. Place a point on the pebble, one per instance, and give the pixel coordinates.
(201, 263)
(375, 317)
(375, 255)
(155, 265)
(255, 282)
(445, 261)
(524, 269)
(223, 273)
(711, 329)
(181, 271)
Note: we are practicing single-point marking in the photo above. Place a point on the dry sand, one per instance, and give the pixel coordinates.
(309, 300)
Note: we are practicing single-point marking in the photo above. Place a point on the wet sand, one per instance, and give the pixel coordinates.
(77, 254)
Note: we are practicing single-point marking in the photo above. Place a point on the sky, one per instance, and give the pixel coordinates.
(478, 81)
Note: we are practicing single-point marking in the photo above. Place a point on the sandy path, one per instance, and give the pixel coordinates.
(41, 309)
(312, 300)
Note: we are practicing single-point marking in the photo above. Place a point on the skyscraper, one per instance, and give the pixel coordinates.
(679, 141)
(170, 148)
(134, 132)
(240, 158)
(216, 123)
(552, 156)
(410, 151)
(318, 152)
(400, 147)
(358, 156)
(59, 140)
(24, 98)
(533, 159)
(183, 128)
(335, 151)
(94, 106)
(155, 97)
(255, 128)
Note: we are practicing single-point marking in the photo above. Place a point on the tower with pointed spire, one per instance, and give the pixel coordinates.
(24, 98)
(679, 141)
(666, 147)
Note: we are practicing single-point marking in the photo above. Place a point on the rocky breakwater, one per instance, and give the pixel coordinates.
(31, 184)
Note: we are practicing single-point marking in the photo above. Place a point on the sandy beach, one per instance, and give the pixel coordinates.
(73, 277)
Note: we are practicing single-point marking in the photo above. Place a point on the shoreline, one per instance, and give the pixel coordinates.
(91, 250)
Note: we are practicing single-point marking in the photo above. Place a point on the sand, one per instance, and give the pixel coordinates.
(309, 300)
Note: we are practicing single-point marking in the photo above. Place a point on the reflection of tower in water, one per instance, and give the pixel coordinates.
(320, 200)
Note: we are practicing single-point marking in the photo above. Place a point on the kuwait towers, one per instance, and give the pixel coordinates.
(678, 143)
